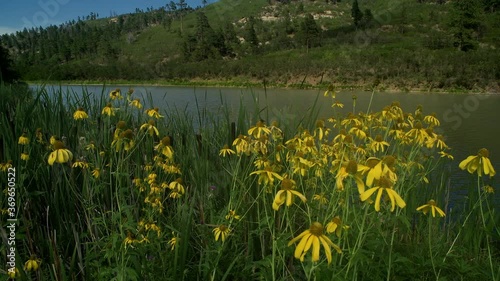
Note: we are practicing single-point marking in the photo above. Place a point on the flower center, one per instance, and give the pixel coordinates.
(483, 152)
(287, 184)
(58, 145)
(165, 141)
(352, 167)
(121, 125)
(316, 229)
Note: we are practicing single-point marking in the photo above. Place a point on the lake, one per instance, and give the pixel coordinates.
(469, 121)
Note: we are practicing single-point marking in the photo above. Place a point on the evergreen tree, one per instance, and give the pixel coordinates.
(466, 23)
(250, 34)
(309, 32)
(7, 73)
(356, 13)
(205, 38)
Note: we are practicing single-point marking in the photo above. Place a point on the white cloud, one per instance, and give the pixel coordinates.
(6, 29)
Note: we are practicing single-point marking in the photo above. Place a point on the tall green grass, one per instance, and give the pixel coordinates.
(110, 227)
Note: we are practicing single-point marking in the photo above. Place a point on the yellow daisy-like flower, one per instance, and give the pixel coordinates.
(13, 273)
(267, 175)
(177, 186)
(115, 94)
(336, 225)
(108, 110)
(60, 154)
(226, 151)
(241, 144)
(221, 231)
(480, 163)
(338, 104)
(173, 242)
(96, 173)
(80, 114)
(378, 144)
(165, 147)
(5, 166)
(320, 198)
(384, 184)
(432, 120)
(23, 139)
(150, 127)
(25, 156)
(354, 171)
(330, 91)
(489, 189)
(32, 264)
(286, 194)
(136, 103)
(431, 205)
(447, 155)
(259, 130)
(314, 237)
(154, 112)
(80, 164)
(232, 215)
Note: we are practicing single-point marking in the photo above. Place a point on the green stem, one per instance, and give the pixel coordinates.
(484, 226)
(429, 225)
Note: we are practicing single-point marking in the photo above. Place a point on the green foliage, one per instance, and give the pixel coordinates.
(356, 13)
(465, 21)
(309, 34)
(7, 73)
(163, 45)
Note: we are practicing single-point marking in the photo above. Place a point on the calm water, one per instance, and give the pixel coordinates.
(469, 122)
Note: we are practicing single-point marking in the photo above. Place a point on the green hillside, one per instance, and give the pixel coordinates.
(401, 44)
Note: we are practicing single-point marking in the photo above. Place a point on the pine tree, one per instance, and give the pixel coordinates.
(466, 23)
(7, 74)
(356, 13)
(309, 32)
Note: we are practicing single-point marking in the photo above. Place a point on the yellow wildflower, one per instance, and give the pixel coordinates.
(13, 273)
(336, 225)
(313, 237)
(384, 184)
(32, 264)
(23, 139)
(173, 242)
(136, 103)
(221, 231)
(60, 154)
(232, 215)
(115, 94)
(108, 110)
(154, 112)
(80, 164)
(258, 130)
(80, 114)
(25, 156)
(225, 151)
(150, 127)
(378, 144)
(431, 205)
(286, 194)
(267, 176)
(480, 163)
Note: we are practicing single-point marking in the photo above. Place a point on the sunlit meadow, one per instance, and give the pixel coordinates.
(112, 188)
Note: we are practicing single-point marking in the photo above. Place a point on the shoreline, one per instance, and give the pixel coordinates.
(261, 85)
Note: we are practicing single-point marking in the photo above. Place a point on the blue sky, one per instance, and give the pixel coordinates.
(17, 14)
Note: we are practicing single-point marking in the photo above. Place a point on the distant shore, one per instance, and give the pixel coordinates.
(267, 84)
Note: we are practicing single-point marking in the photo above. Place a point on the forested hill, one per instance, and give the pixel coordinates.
(404, 44)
